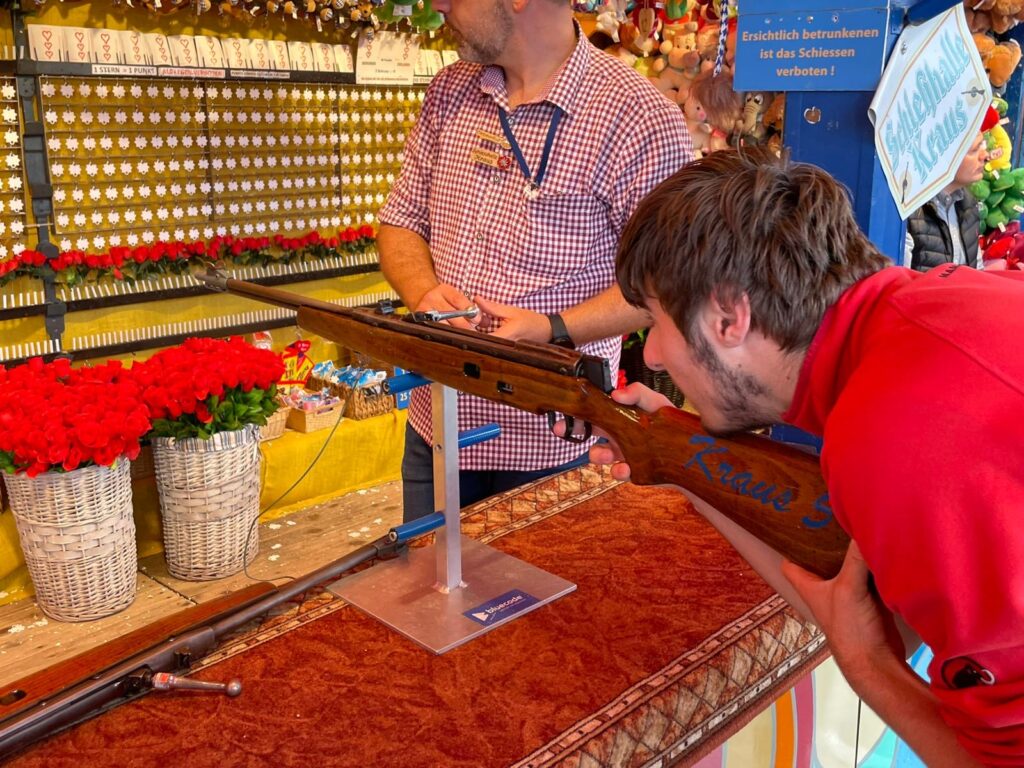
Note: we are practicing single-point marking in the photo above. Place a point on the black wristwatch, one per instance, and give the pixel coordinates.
(559, 333)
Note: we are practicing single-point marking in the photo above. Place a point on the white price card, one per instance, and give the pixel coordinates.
(279, 54)
(77, 45)
(209, 50)
(236, 53)
(133, 45)
(386, 58)
(45, 43)
(259, 55)
(301, 56)
(343, 58)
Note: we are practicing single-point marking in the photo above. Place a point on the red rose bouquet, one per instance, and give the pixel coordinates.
(57, 418)
(205, 386)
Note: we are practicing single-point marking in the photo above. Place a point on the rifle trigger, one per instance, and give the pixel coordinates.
(570, 428)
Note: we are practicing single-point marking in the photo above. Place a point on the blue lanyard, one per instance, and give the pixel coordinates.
(506, 127)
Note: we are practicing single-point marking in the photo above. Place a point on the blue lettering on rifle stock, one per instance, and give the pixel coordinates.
(745, 484)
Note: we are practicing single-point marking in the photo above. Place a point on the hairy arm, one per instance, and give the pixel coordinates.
(606, 314)
(406, 263)
(866, 644)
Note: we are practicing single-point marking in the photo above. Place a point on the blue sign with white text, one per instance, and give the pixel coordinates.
(827, 50)
(501, 607)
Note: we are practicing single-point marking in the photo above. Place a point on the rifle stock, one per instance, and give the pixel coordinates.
(774, 491)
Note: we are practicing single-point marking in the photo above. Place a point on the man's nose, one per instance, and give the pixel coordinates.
(652, 352)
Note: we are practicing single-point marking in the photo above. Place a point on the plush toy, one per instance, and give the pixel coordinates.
(751, 128)
(697, 124)
(774, 116)
(639, 34)
(609, 17)
(679, 62)
(722, 105)
(1003, 59)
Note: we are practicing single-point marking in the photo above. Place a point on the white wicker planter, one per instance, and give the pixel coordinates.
(78, 535)
(209, 502)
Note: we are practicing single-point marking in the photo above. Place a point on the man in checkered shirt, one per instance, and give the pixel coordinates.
(527, 159)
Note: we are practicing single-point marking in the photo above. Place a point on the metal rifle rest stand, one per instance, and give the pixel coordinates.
(445, 594)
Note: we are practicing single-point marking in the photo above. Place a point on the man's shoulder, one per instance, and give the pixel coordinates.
(453, 78)
(616, 82)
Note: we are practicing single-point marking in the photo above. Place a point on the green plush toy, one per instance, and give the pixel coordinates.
(419, 13)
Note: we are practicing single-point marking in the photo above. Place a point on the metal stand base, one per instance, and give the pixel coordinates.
(498, 588)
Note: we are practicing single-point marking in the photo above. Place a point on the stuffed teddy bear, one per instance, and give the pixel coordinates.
(679, 62)
(998, 58)
(1003, 59)
(1001, 15)
(697, 124)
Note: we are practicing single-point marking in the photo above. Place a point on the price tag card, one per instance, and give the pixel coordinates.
(343, 58)
(429, 63)
(45, 43)
(324, 54)
(183, 50)
(209, 50)
(259, 55)
(106, 47)
(159, 49)
(77, 45)
(279, 54)
(301, 56)
(236, 53)
(136, 52)
(386, 58)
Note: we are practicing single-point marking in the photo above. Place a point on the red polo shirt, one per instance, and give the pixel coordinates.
(916, 383)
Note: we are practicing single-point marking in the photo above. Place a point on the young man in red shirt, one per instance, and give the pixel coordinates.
(770, 305)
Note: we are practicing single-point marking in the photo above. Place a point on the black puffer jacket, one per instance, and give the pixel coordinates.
(932, 244)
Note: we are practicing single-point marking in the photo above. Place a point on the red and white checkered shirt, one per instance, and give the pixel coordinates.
(618, 138)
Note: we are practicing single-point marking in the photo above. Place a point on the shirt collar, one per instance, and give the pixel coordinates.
(835, 351)
(563, 89)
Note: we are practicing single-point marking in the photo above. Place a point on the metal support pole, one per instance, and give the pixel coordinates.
(445, 412)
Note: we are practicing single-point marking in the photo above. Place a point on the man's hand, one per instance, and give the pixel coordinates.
(608, 453)
(444, 298)
(859, 628)
(515, 323)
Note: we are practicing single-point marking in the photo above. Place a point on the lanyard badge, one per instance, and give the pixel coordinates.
(531, 191)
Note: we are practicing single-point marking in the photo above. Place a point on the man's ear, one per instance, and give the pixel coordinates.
(727, 321)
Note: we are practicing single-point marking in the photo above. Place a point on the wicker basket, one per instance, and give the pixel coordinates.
(275, 424)
(78, 535)
(311, 421)
(363, 405)
(209, 502)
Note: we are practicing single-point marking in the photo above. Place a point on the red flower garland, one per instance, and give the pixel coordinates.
(54, 417)
(177, 257)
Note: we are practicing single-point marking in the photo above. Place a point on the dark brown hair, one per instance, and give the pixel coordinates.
(746, 221)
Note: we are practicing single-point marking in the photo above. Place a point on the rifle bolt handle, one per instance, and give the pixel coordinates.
(162, 681)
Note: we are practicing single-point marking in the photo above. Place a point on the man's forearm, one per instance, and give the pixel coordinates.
(406, 263)
(902, 700)
(604, 316)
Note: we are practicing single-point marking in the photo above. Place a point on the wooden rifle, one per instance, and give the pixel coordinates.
(774, 491)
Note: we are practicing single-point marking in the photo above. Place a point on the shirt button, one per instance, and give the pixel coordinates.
(496, 178)
(480, 237)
